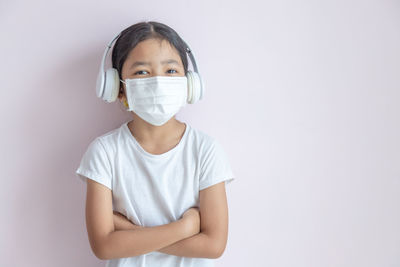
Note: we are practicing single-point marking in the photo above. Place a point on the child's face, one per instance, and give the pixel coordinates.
(152, 57)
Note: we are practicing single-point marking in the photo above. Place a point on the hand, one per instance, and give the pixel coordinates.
(123, 223)
(191, 218)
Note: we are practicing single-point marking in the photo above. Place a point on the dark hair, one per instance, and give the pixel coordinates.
(141, 31)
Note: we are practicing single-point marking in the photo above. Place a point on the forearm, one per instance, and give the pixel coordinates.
(142, 240)
(196, 246)
(122, 223)
(199, 245)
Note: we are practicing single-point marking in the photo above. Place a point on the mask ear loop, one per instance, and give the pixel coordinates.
(124, 103)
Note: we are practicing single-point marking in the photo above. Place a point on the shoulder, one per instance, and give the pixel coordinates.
(110, 135)
(110, 139)
(205, 143)
(202, 140)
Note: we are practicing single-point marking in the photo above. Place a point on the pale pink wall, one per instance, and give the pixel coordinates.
(304, 96)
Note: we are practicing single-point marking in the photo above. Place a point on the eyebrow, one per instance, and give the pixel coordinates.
(143, 63)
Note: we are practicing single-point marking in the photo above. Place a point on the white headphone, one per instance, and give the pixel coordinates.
(108, 82)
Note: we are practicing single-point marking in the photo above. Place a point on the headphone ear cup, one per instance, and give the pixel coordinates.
(100, 84)
(190, 87)
(198, 86)
(194, 87)
(111, 87)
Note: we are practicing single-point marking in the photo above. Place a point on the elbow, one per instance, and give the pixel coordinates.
(217, 252)
(100, 252)
(217, 249)
(216, 245)
(99, 248)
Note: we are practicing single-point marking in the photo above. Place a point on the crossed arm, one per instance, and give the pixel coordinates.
(211, 241)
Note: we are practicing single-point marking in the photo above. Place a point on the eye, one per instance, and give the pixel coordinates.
(140, 72)
(173, 71)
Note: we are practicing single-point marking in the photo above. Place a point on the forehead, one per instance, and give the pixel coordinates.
(153, 50)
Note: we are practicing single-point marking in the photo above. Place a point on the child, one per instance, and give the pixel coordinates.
(156, 188)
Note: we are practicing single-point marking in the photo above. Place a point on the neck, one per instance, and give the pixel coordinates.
(146, 132)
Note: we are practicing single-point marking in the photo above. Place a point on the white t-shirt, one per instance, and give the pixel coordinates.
(152, 190)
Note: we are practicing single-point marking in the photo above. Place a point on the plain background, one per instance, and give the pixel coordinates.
(303, 95)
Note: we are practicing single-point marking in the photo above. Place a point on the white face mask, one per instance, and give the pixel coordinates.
(156, 99)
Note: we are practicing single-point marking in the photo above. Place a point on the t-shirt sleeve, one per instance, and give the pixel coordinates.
(215, 167)
(95, 165)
